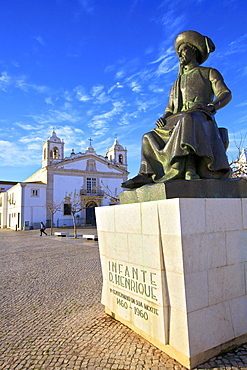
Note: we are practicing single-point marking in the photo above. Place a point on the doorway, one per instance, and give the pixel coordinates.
(90, 213)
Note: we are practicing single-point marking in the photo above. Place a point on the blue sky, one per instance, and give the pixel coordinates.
(101, 68)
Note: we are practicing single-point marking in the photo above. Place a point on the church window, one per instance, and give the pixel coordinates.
(120, 158)
(1, 202)
(67, 209)
(91, 185)
(55, 153)
(50, 153)
(34, 192)
(45, 153)
(11, 198)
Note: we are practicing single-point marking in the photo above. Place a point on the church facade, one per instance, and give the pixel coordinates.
(92, 179)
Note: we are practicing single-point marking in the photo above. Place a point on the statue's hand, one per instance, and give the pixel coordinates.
(206, 107)
(211, 108)
(160, 122)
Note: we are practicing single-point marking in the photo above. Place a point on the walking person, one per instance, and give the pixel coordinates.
(42, 229)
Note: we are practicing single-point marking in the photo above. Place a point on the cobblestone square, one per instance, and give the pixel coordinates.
(51, 316)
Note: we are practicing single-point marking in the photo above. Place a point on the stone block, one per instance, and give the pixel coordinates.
(238, 309)
(203, 188)
(244, 212)
(196, 290)
(110, 244)
(128, 218)
(178, 331)
(215, 244)
(209, 328)
(176, 291)
(169, 217)
(149, 218)
(106, 220)
(172, 253)
(230, 209)
(233, 239)
(138, 245)
(204, 251)
(245, 269)
(195, 253)
(226, 283)
(193, 216)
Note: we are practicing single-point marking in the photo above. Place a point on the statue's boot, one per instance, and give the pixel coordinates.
(138, 181)
(190, 173)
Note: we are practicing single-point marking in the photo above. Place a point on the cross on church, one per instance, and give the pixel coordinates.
(90, 140)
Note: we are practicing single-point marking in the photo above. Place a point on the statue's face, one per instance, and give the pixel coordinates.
(186, 54)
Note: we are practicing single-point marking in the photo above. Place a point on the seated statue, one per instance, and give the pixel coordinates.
(187, 144)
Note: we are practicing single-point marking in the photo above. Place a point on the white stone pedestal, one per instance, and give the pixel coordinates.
(175, 271)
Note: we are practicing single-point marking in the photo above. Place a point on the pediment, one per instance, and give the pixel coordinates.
(88, 163)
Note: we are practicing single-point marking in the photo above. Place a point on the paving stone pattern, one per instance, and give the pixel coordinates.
(51, 316)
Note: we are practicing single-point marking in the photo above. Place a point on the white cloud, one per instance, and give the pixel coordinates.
(49, 101)
(96, 90)
(57, 116)
(167, 62)
(164, 55)
(19, 82)
(243, 104)
(67, 95)
(81, 95)
(5, 80)
(39, 39)
(116, 86)
(27, 127)
(79, 131)
(155, 88)
(101, 121)
(166, 66)
(135, 86)
(127, 118)
(31, 138)
(87, 5)
(34, 146)
(146, 104)
(237, 46)
(100, 97)
(120, 74)
(149, 50)
(17, 155)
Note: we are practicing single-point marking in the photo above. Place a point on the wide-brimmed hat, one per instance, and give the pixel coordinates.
(203, 43)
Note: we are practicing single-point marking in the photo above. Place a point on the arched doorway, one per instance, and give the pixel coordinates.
(90, 213)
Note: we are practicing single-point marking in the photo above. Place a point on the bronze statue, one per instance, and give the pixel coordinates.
(187, 144)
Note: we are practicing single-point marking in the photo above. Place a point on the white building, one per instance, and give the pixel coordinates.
(96, 179)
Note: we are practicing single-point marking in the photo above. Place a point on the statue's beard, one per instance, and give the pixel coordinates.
(183, 61)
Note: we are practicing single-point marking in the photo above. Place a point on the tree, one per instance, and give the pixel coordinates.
(239, 165)
(74, 200)
(108, 193)
(53, 208)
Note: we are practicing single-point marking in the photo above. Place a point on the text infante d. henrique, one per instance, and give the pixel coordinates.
(134, 279)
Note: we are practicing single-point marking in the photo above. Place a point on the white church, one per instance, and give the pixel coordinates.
(96, 179)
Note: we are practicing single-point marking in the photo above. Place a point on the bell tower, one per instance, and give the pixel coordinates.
(53, 150)
(117, 155)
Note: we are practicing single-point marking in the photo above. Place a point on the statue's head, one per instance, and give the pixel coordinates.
(200, 45)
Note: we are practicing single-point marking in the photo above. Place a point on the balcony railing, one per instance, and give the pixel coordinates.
(93, 192)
